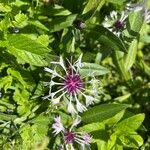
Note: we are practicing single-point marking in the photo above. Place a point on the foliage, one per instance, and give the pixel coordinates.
(35, 33)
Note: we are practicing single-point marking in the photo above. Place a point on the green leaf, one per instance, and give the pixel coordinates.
(24, 43)
(101, 145)
(7, 117)
(19, 3)
(3, 43)
(115, 119)
(105, 37)
(5, 23)
(123, 98)
(102, 112)
(27, 50)
(20, 20)
(38, 24)
(56, 11)
(144, 67)
(42, 119)
(135, 22)
(145, 39)
(133, 140)
(60, 23)
(28, 57)
(117, 147)
(119, 2)
(35, 134)
(118, 59)
(130, 58)
(40, 130)
(26, 135)
(91, 69)
(92, 127)
(17, 76)
(111, 142)
(130, 124)
(93, 5)
(22, 99)
(6, 82)
(43, 39)
(4, 8)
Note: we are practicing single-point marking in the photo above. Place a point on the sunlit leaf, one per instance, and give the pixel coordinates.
(102, 112)
(91, 69)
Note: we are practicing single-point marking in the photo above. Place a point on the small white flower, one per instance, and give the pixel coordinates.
(115, 22)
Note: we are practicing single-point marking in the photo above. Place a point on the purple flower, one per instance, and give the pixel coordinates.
(69, 136)
(70, 88)
(115, 22)
(119, 25)
(73, 83)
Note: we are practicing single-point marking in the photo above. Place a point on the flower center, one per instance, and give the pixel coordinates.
(119, 25)
(69, 137)
(73, 83)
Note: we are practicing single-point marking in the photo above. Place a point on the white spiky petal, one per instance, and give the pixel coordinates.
(71, 108)
(57, 126)
(80, 106)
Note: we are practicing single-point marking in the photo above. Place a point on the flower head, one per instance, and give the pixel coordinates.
(71, 86)
(69, 136)
(115, 22)
(142, 6)
(73, 83)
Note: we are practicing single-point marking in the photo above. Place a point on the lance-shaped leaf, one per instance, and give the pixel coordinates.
(61, 22)
(118, 59)
(93, 5)
(102, 112)
(91, 69)
(131, 55)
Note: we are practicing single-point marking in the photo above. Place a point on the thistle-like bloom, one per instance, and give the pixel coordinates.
(70, 88)
(69, 136)
(115, 22)
(142, 6)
